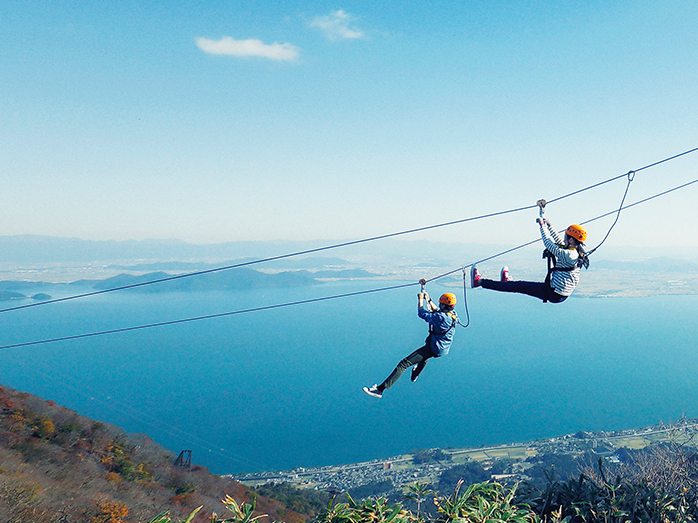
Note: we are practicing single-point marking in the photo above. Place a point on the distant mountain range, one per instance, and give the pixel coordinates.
(231, 279)
(179, 266)
(32, 249)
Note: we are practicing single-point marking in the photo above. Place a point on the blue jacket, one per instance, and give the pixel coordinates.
(442, 325)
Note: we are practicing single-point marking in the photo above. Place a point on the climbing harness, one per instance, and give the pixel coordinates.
(453, 324)
(582, 262)
(550, 257)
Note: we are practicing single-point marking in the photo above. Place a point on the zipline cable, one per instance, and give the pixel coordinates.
(623, 175)
(206, 317)
(334, 246)
(639, 202)
(324, 298)
(263, 260)
(631, 177)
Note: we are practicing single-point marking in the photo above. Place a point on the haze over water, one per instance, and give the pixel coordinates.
(282, 388)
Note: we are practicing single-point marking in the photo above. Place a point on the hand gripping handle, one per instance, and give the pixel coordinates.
(541, 206)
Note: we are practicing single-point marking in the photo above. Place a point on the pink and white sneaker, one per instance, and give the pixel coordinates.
(504, 275)
(475, 277)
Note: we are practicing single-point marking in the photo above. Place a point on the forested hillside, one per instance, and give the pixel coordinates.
(58, 466)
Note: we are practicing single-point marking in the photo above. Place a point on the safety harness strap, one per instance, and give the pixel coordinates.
(582, 262)
(453, 324)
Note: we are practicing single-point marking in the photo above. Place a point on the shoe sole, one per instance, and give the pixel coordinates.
(373, 394)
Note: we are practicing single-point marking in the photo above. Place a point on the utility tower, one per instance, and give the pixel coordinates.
(184, 460)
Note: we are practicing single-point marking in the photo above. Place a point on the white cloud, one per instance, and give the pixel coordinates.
(245, 48)
(336, 25)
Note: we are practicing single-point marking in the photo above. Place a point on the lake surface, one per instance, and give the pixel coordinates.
(281, 388)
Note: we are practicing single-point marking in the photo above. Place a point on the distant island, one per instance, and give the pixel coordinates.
(10, 295)
(40, 265)
(231, 279)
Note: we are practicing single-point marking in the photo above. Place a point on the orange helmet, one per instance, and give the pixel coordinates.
(577, 232)
(448, 299)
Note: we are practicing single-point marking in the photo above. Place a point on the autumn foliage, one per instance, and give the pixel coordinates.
(58, 466)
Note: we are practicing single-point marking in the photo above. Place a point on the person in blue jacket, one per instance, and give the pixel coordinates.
(442, 324)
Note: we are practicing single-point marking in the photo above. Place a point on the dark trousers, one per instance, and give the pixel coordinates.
(418, 357)
(542, 291)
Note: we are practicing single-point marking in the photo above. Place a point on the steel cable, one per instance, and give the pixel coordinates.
(334, 246)
(324, 298)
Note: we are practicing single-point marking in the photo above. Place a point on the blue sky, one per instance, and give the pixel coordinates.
(224, 121)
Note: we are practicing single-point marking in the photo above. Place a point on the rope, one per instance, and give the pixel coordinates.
(465, 298)
(334, 246)
(644, 200)
(325, 298)
(631, 177)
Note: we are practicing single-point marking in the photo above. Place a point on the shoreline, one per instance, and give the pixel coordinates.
(402, 469)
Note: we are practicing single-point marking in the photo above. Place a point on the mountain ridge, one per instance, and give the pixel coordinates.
(30, 249)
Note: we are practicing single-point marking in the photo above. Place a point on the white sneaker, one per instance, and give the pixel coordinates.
(504, 275)
(373, 391)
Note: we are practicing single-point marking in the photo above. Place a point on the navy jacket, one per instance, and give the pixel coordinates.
(441, 329)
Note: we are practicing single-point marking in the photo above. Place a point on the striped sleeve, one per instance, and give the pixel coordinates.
(563, 282)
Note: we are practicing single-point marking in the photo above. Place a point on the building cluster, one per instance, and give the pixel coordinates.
(401, 470)
(346, 477)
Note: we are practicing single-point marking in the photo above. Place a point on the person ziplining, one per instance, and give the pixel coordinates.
(565, 257)
(442, 325)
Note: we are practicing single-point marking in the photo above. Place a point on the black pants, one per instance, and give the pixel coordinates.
(542, 291)
(418, 357)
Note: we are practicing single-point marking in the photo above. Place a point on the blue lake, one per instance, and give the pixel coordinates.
(282, 388)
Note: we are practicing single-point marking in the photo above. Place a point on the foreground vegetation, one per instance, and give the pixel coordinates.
(59, 467)
(658, 486)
